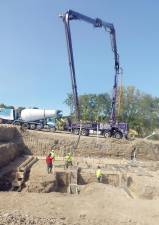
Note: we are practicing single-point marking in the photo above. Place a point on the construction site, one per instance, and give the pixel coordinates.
(128, 194)
(111, 177)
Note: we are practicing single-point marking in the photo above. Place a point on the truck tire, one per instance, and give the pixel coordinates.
(75, 131)
(25, 126)
(17, 123)
(32, 126)
(39, 127)
(53, 129)
(118, 135)
(84, 132)
(107, 134)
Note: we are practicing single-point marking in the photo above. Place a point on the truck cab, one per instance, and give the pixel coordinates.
(118, 130)
(7, 115)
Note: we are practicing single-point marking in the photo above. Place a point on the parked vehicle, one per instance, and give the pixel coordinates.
(31, 118)
(7, 115)
(118, 131)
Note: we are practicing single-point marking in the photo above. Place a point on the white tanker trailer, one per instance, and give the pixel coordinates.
(38, 119)
(29, 115)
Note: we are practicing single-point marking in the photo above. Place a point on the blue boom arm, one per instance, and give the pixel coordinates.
(72, 15)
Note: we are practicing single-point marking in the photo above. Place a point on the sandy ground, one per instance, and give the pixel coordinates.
(97, 204)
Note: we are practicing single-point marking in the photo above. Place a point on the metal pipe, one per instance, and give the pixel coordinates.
(71, 65)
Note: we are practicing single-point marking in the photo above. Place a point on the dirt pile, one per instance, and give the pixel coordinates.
(144, 187)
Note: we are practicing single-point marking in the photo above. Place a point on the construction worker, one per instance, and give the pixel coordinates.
(52, 152)
(68, 160)
(49, 160)
(99, 174)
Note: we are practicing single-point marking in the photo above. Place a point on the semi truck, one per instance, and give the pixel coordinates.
(118, 131)
(30, 118)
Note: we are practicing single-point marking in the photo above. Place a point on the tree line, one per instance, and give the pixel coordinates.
(138, 109)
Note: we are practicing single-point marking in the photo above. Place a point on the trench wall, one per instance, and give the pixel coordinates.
(11, 144)
(39, 143)
(14, 142)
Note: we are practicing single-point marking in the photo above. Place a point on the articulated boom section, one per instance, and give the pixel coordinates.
(72, 15)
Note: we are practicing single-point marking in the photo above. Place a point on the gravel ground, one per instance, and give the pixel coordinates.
(15, 218)
(97, 204)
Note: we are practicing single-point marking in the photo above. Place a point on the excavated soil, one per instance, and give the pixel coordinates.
(11, 144)
(8, 133)
(128, 195)
(98, 204)
(39, 143)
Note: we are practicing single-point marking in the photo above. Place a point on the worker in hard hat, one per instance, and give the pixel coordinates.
(52, 152)
(99, 174)
(68, 160)
(49, 162)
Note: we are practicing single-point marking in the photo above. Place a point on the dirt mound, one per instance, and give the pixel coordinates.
(144, 187)
(93, 188)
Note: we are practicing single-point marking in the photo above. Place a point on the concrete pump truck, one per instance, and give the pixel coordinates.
(114, 128)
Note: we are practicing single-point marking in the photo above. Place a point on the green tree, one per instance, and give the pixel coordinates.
(69, 102)
(92, 107)
(2, 105)
(140, 110)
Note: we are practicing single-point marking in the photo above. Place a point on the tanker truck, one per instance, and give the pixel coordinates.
(31, 118)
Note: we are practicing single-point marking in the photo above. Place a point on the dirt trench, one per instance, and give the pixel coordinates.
(128, 193)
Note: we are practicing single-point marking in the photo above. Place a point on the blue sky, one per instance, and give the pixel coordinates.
(33, 57)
